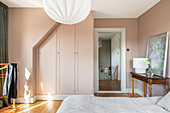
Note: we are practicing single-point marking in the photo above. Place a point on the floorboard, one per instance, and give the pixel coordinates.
(109, 85)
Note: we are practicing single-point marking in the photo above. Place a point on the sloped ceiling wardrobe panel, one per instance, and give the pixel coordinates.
(46, 75)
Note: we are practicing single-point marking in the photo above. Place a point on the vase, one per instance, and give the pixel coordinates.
(149, 73)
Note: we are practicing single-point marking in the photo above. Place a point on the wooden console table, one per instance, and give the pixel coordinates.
(150, 81)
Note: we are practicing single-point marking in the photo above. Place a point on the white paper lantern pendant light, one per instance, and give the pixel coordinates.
(67, 11)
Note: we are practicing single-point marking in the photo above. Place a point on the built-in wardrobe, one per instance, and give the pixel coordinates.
(65, 60)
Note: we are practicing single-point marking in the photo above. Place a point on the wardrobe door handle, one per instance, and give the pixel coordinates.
(76, 52)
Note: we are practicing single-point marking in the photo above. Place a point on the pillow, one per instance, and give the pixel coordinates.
(165, 102)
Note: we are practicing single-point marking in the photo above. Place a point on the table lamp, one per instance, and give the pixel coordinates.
(140, 65)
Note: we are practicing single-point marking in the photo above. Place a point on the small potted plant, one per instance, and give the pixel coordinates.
(148, 71)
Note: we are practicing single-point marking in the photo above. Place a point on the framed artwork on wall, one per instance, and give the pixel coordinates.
(157, 49)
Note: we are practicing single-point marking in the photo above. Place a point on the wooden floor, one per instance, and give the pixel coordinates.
(52, 106)
(109, 85)
(37, 107)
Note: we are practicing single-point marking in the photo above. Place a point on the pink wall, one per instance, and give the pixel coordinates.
(154, 21)
(131, 39)
(26, 28)
(28, 25)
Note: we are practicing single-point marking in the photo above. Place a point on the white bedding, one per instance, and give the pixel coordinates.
(91, 104)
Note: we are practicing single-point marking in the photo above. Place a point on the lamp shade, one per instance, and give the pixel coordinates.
(67, 11)
(140, 65)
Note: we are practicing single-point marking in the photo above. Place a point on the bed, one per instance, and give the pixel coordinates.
(92, 104)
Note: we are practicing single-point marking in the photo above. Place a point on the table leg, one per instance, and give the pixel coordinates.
(144, 89)
(150, 90)
(166, 87)
(133, 87)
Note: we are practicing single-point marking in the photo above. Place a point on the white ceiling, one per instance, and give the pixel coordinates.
(121, 8)
(102, 8)
(107, 35)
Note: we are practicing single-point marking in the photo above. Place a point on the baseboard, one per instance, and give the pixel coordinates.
(62, 97)
(41, 97)
(51, 97)
(24, 100)
(129, 90)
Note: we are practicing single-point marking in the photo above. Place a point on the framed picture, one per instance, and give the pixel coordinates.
(157, 53)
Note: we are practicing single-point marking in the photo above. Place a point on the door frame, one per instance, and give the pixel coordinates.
(122, 59)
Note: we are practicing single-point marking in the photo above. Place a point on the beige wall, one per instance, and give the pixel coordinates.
(154, 21)
(131, 39)
(26, 28)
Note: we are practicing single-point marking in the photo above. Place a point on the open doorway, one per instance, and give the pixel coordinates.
(109, 61)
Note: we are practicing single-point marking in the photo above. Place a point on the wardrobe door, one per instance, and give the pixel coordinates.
(46, 75)
(66, 64)
(84, 37)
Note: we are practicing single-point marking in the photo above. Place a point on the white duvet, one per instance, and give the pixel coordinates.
(91, 104)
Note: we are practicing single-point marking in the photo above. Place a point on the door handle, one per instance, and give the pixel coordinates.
(76, 52)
